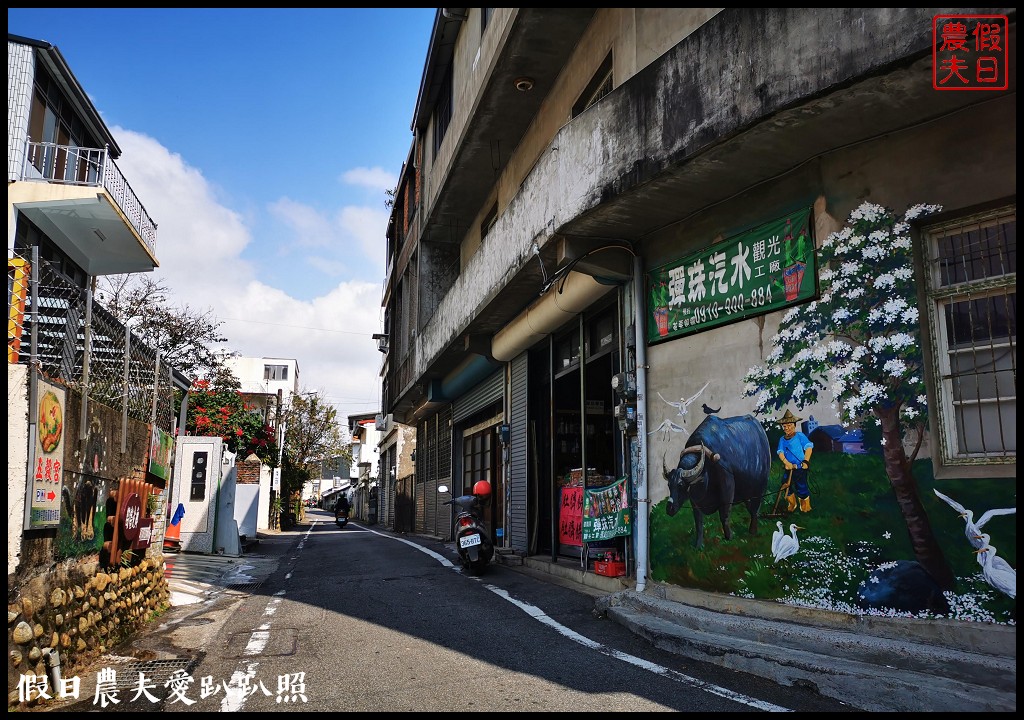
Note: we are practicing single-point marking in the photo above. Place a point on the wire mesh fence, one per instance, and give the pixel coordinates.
(80, 344)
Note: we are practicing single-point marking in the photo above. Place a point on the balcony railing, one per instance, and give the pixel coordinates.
(70, 165)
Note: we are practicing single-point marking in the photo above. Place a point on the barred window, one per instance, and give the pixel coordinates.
(972, 313)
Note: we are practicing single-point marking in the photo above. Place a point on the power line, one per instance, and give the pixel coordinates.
(297, 327)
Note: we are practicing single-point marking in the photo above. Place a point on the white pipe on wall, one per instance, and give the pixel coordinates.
(560, 304)
(643, 498)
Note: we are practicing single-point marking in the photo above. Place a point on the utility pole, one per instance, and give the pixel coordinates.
(275, 487)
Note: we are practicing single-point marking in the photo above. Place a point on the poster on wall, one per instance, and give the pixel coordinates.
(606, 512)
(761, 270)
(47, 461)
(161, 448)
(570, 516)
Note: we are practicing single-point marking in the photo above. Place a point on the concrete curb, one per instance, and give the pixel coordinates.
(865, 669)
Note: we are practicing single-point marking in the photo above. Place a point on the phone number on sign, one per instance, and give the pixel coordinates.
(733, 304)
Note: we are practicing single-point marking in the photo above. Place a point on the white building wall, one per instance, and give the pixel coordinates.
(17, 460)
(250, 372)
(20, 77)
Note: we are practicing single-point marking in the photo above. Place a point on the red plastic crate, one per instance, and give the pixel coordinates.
(609, 569)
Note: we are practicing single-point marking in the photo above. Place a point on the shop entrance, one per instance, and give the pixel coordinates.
(481, 460)
(573, 427)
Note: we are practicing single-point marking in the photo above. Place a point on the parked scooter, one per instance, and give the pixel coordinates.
(472, 540)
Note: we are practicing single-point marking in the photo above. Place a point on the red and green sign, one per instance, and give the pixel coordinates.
(756, 272)
(606, 512)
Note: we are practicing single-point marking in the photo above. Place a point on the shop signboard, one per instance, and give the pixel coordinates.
(47, 460)
(161, 448)
(570, 516)
(606, 512)
(145, 536)
(753, 273)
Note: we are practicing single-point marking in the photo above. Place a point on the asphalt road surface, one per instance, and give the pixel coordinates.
(366, 620)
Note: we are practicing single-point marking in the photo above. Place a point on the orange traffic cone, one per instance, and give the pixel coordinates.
(172, 533)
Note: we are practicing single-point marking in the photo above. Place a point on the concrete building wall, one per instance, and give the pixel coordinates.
(249, 371)
(17, 460)
(678, 109)
(897, 170)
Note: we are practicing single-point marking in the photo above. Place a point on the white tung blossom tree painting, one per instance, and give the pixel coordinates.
(860, 343)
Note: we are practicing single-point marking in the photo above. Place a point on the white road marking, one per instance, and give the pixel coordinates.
(537, 614)
(237, 690)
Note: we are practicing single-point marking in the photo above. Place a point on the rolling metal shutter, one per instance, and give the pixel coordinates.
(519, 455)
(433, 468)
(488, 391)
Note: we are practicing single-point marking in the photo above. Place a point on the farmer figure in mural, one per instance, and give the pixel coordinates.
(795, 452)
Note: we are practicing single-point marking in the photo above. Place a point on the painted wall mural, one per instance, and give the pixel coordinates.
(842, 517)
(83, 514)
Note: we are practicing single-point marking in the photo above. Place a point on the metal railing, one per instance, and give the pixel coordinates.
(70, 165)
(83, 346)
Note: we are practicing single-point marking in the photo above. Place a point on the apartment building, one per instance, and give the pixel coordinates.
(607, 221)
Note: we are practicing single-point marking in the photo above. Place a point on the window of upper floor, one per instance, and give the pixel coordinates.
(485, 18)
(488, 222)
(971, 285)
(55, 120)
(599, 86)
(275, 372)
(443, 110)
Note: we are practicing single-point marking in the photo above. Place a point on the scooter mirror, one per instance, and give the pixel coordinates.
(442, 488)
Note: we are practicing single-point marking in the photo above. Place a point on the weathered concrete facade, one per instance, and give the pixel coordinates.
(715, 122)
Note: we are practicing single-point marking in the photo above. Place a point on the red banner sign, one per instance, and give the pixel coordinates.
(570, 516)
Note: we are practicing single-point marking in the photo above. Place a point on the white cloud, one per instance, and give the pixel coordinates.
(351, 237)
(310, 228)
(200, 244)
(374, 178)
(368, 227)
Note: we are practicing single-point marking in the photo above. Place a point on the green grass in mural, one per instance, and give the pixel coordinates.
(68, 545)
(854, 526)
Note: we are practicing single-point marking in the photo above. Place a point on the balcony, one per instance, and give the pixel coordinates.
(80, 200)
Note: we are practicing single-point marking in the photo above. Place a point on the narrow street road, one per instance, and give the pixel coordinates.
(364, 620)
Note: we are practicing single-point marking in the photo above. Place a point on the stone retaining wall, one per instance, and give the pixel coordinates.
(81, 611)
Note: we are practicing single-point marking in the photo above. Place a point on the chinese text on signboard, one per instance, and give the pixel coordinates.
(570, 515)
(750, 274)
(606, 512)
(970, 52)
(48, 459)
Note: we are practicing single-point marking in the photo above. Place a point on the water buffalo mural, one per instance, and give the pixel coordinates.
(726, 462)
(855, 553)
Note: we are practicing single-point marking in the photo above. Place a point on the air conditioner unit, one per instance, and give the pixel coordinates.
(379, 422)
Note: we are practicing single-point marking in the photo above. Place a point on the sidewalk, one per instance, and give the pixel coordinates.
(195, 577)
(873, 663)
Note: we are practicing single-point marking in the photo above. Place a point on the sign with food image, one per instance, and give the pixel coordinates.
(48, 458)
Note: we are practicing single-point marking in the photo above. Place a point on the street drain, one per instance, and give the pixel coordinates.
(158, 671)
(247, 587)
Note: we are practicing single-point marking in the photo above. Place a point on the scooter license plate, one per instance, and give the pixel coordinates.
(469, 540)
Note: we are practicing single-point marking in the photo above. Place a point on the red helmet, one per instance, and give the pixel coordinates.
(482, 488)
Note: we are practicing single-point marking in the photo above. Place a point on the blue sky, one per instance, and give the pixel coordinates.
(261, 141)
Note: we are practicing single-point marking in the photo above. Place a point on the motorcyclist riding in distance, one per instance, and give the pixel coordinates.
(342, 506)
